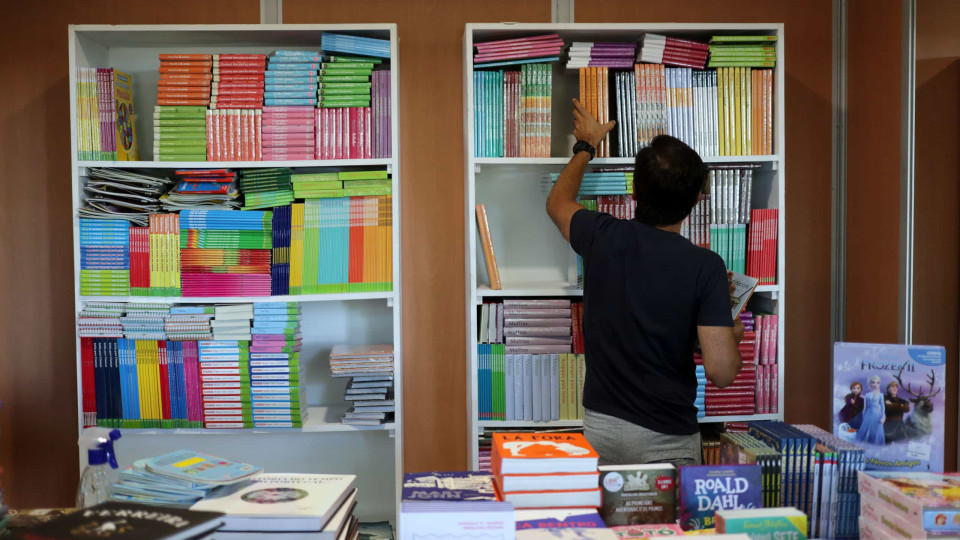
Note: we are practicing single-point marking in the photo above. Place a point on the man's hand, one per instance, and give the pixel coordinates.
(738, 330)
(586, 128)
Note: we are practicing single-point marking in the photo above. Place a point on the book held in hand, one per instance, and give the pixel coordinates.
(127, 521)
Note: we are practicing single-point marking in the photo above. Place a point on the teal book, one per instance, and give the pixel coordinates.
(764, 523)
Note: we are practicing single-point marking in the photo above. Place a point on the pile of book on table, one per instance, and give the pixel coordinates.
(370, 387)
(545, 470)
(909, 505)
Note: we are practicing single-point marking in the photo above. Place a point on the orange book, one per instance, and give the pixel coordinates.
(164, 77)
(493, 272)
(574, 498)
(184, 93)
(542, 453)
(770, 111)
(186, 63)
(188, 69)
(182, 57)
(196, 101)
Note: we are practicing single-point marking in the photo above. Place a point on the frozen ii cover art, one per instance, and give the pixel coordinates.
(889, 399)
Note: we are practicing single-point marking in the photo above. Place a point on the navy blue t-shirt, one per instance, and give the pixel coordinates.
(645, 292)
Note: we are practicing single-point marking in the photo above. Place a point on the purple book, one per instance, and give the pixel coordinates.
(704, 489)
(448, 486)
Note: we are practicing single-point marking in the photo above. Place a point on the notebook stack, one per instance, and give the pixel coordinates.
(230, 268)
(178, 479)
(101, 319)
(607, 54)
(201, 189)
(743, 51)
(275, 369)
(302, 506)
(266, 188)
(232, 322)
(544, 48)
(179, 119)
(189, 323)
(104, 257)
(119, 194)
(238, 85)
(291, 78)
(370, 385)
(671, 51)
(354, 45)
(701, 402)
(145, 321)
(317, 185)
(545, 470)
(225, 384)
(289, 132)
(282, 238)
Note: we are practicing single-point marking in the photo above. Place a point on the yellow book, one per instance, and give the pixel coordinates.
(296, 247)
(126, 135)
(748, 112)
(737, 113)
(141, 379)
(581, 376)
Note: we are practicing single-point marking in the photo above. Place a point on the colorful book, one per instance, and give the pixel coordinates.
(705, 489)
(638, 494)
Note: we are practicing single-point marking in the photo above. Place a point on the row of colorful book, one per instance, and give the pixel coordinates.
(908, 505)
(531, 387)
(512, 112)
(532, 326)
(105, 115)
(169, 366)
(369, 370)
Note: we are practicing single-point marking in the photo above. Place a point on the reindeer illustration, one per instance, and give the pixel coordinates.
(919, 424)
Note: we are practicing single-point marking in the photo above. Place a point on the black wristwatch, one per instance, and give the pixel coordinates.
(584, 146)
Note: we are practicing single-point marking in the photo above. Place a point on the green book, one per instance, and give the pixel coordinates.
(341, 91)
(764, 523)
(202, 109)
(315, 177)
(344, 71)
(742, 39)
(334, 66)
(180, 141)
(363, 175)
(318, 185)
(741, 48)
(367, 192)
(354, 59)
(336, 78)
(183, 150)
(344, 104)
(743, 63)
(369, 183)
(192, 130)
(179, 122)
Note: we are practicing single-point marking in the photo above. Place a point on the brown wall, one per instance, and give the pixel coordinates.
(807, 42)
(38, 414)
(937, 193)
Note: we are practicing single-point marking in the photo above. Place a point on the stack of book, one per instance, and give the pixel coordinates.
(104, 257)
(275, 369)
(230, 268)
(303, 506)
(701, 401)
(317, 185)
(189, 323)
(485, 441)
(202, 190)
(291, 77)
(266, 188)
(740, 397)
(603, 182)
(512, 115)
(178, 479)
(355, 45)
(280, 263)
(537, 470)
(504, 52)
(120, 194)
(762, 245)
(381, 134)
(457, 519)
(448, 486)
(344, 119)
(836, 507)
(232, 322)
(237, 86)
(745, 51)
(913, 505)
(225, 384)
(369, 369)
(609, 54)
(671, 51)
(145, 321)
(101, 319)
(184, 80)
(289, 133)
(177, 131)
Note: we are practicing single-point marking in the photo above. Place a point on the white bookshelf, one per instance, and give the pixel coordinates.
(323, 444)
(533, 258)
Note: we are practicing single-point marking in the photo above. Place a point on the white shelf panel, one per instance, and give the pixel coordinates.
(532, 288)
(333, 297)
(331, 163)
(614, 160)
(579, 423)
(319, 420)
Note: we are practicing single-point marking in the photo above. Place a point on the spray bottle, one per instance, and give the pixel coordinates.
(97, 476)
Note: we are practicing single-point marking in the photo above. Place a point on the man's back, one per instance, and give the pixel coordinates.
(645, 292)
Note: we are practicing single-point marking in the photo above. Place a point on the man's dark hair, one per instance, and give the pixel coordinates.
(667, 179)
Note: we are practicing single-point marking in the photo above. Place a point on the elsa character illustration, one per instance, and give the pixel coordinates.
(874, 415)
(852, 404)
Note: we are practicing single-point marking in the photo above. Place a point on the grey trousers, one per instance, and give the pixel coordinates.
(619, 442)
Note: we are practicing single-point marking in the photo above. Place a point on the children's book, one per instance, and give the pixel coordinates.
(764, 523)
(631, 532)
(448, 486)
(743, 287)
(638, 494)
(890, 400)
(558, 518)
(704, 489)
(463, 520)
(542, 453)
(196, 467)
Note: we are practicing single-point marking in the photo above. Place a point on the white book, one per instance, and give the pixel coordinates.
(331, 531)
(528, 387)
(487, 520)
(537, 389)
(517, 389)
(280, 502)
(484, 324)
(554, 499)
(545, 371)
(508, 386)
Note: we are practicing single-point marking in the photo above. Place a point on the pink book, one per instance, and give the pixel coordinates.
(306, 156)
(556, 46)
(368, 129)
(210, 149)
(258, 143)
(288, 108)
(503, 42)
(304, 126)
(546, 331)
(529, 53)
(530, 303)
(283, 137)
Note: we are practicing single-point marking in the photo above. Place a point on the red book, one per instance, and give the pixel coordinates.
(201, 57)
(164, 379)
(88, 381)
(186, 63)
(184, 69)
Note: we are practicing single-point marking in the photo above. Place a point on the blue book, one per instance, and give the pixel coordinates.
(289, 102)
(448, 486)
(283, 74)
(295, 66)
(704, 489)
(196, 467)
(289, 94)
(289, 53)
(282, 78)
